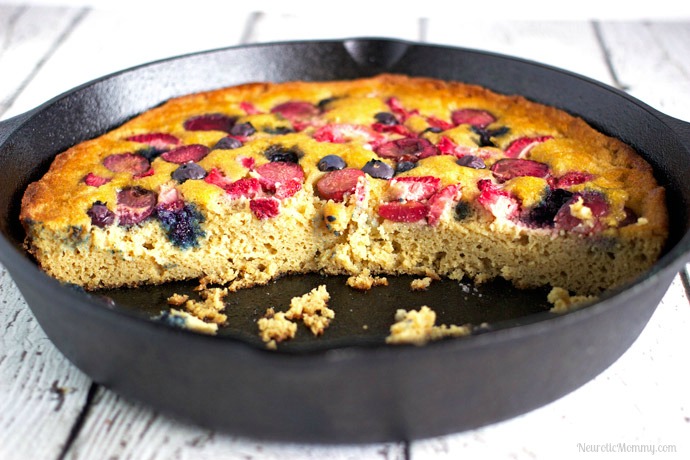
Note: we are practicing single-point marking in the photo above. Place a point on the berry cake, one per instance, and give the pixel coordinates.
(388, 175)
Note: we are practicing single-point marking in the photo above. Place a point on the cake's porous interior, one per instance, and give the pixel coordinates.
(386, 175)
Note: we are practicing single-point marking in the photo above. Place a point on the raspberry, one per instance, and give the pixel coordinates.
(264, 208)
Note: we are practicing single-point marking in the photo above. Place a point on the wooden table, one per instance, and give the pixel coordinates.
(50, 410)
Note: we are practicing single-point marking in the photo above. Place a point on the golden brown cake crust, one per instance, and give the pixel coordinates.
(241, 241)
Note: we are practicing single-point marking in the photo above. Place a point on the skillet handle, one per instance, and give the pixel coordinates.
(7, 127)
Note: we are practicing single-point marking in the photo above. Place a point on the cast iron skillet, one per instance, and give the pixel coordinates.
(346, 386)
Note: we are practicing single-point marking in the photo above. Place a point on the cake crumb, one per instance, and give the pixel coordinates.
(312, 309)
(184, 320)
(419, 327)
(563, 302)
(211, 307)
(275, 327)
(178, 299)
(420, 284)
(364, 281)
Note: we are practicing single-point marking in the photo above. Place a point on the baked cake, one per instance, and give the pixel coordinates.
(383, 176)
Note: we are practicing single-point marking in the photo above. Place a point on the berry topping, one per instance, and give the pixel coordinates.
(161, 141)
(462, 210)
(210, 122)
(242, 129)
(408, 146)
(630, 217)
(188, 171)
(100, 215)
(248, 187)
(339, 133)
(186, 153)
(228, 143)
(543, 214)
(519, 147)
(134, 204)
(264, 208)
(403, 166)
(169, 198)
(437, 125)
(331, 163)
(475, 117)
(324, 103)
(281, 178)
(95, 181)
(573, 178)
(335, 185)
(410, 211)
(182, 225)
(413, 188)
(278, 153)
(509, 168)
(386, 118)
(126, 162)
(249, 108)
(295, 110)
(278, 130)
(471, 161)
(217, 178)
(398, 109)
(440, 201)
(496, 200)
(582, 213)
(378, 169)
(485, 135)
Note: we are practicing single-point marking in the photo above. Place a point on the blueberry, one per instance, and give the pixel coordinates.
(471, 161)
(188, 171)
(242, 129)
(182, 226)
(544, 213)
(151, 153)
(403, 166)
(462, 210)
(228, 143)
(100, 215)
(172, 320)
(386, 118)
(331, 163)
(378, 169)
(323, 103)
(485, 135)
(433, 129)
(278, 153)
(279, 130)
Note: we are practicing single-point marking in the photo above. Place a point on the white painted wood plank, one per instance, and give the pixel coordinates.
(23, 44)
(109, 40)
(651, 61)
(41, 393)
(641, 399)
(119, 429)
(567, 45)
(343, 23)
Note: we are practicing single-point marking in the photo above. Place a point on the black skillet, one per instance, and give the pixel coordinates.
(346, 386)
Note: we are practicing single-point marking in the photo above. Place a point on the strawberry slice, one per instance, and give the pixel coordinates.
(573, 178)
(161, 141)
(186, 153)
(210, 122)
(496, 200)
(339, 133)
(438, 123)
(475, 117)
(509, 168)
(440, 201)
(265, 208)
(216, 177)
(249, 108)
(336, 185)
(410, 211)
(520, 147)
(395, 129)
(247, 187)
(126, 162)
(413, 188)
(283, 179)
(93, 180)
(295, 110)
(397, 108)
(408, 147)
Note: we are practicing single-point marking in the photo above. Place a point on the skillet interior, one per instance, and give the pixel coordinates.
(96, 107)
